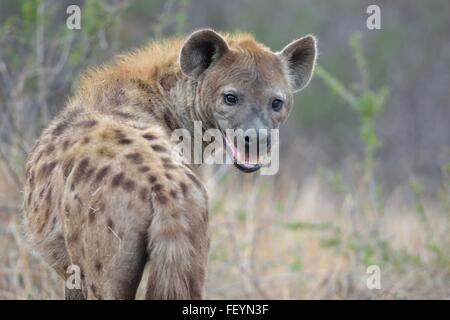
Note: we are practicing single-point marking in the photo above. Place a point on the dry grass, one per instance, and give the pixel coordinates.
(272, 238)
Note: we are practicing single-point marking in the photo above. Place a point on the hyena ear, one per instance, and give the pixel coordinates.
(300, 56)
(200, 50)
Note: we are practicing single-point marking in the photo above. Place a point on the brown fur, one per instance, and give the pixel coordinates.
(101, 191)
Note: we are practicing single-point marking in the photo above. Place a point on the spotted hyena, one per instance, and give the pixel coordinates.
(101, 189)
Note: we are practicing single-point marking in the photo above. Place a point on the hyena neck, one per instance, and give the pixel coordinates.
(177, 104)
(138, 101)
(185, 104)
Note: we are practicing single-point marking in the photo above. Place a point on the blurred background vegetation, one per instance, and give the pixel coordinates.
(365, 156)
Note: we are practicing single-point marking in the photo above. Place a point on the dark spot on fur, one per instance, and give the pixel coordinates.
(128, 185)
(158, 190)
(117, 180)
(48, 168)
(101, 174)
(30, 195)
(85, 140)
(110, 224)
(158, 148)
(67, 167)
(157, 187)
(118, 134)
(65, 145)
(161, 198)
(48, 197)
(195, 180)
(144, 169)
(125, 141)
(168, 176)
(50, 148)
(149, 136)
(106, 135)
(105, 152)
(78, 199)
(60, 128)
(170, 120)
(41, 194)
(81, 170)
(70, 116)
(98, 266)
(51, 166)
(183, 187)
(143, 194)
(152, 179)
(173, 193)
(87, 123)
(89, 173)
(136, 158)
(169, 165)
(123, 115)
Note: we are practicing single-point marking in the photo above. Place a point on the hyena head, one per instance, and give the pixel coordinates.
(244, 85)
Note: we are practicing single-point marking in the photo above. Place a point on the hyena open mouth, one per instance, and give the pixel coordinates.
(246, 158)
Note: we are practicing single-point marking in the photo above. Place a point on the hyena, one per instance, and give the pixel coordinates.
(101, 189)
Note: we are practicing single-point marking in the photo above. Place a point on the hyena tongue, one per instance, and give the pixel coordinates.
(243, 158)
(248, 158)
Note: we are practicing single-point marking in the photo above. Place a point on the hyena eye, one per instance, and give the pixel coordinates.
(277, 104)
(230, 99)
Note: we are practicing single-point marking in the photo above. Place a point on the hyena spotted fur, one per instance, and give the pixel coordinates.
(101, 189)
